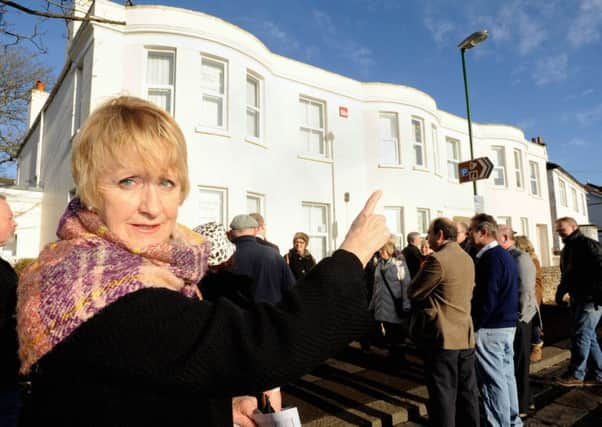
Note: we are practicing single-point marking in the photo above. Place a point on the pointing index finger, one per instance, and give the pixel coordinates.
(371, 203)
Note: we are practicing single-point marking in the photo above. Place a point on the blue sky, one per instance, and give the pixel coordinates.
(539, 70)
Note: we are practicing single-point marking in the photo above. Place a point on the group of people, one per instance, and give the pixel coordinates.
(473, 305)
(132, 319)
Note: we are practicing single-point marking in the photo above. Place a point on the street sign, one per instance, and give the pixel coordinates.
(473, 170)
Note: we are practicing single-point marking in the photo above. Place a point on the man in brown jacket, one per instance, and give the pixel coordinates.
(443, 289)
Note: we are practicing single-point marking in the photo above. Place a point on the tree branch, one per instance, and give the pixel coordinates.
(60, 15)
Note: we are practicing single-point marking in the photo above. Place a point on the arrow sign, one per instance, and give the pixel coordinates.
(473, 170)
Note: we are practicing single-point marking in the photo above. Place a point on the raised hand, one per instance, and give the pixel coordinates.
(368, 232)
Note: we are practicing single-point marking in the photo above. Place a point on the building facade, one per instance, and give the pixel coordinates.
(299, 144)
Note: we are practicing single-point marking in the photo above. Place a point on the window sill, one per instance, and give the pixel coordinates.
(257, 142)
(420, 168)
(315, 158)
(212, 131)
(390, 166)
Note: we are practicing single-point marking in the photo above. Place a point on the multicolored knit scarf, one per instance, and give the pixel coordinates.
(88, 269)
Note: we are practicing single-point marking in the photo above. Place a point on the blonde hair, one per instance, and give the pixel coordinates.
(389, 248)
(127, 127)
(524, 244)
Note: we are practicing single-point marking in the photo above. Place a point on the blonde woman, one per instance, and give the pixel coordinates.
(524, 244)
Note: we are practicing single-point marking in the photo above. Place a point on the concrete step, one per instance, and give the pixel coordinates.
(370, 389)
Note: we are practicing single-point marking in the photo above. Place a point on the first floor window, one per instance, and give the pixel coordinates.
(499, 166)
(524, 226)
(213, 205)
(436, 156)
(160, 78)
(518, 168)
(213, 92)
(389, 140)
(574, 199)
(394, 219)
(315, 224)
(423, 220)
(562, 191)
(418, 142)
(453, 157)
(312, 128)
(534, 178)
(253, 107)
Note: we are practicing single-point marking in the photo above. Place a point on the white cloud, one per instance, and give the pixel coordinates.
(587, 26)
(439, 28)
(586, 92)
(579, 142)
(272, 35)
(552, 69)
(588, 117)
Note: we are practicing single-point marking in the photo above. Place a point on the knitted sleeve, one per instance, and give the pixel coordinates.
(160, 338)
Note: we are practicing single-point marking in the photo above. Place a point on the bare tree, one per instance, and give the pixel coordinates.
(19, 70)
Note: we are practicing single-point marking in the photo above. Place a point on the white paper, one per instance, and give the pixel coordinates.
(286, 418)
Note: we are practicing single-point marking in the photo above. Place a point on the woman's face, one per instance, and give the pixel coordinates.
(300, 246)
(139, 207)
(384, 254)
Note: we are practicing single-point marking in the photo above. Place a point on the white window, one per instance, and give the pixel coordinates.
(562, 191)
(418, 142)
(389, 139)
(213, 205)
(213, 93)
(160, 78)
(253, 107)
(77, 99)
(423, 219)
(436, 156)
(524, 226)
(499, 166)
(394, 220)
(582, 203)
(313, 127)
(453, 157)
(574, 199)
(504, 220)
(315, 218)
(518, 168)
(255, 203)
(534, 178)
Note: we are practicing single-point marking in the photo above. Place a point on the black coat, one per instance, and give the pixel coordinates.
(9, 360)
(581, 267)
(157, 358)
(299, 265)
(413, 257)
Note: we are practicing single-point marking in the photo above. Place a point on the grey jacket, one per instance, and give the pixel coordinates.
(397, 274)
(526, 276)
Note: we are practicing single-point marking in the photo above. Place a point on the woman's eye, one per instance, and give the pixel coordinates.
(127, 182)
(167, 183)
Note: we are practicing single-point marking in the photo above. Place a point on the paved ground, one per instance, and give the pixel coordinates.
(359, 389)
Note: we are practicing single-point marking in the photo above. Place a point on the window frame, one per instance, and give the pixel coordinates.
(416, 143)
(223, 192)
(395, 138)
(534, 179)
(436, 151)
(323, 235)
(499, 150)
(399, 236)
(519, 177)
(257, 109)
(261, 201)
(162, 87)
(524, 226)
(204, 92)
(423, 228)
(574, 199)
(564, 201)
(456, 150)
(305, 127)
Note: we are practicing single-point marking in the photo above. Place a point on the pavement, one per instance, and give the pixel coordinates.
(359, 388)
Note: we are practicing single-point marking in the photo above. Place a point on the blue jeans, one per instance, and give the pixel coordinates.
(584, 341)
(495, 373)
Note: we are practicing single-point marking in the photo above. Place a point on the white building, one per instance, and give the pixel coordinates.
(567, 198)
(302, 145)
(594, 206)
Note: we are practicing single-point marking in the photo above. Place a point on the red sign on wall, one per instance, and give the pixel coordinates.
(343, 112)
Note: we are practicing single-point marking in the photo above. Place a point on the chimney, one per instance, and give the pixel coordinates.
(540, 140)
(533, 140)
(38, 99)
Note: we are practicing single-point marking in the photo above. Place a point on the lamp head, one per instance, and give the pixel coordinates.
(473, 40)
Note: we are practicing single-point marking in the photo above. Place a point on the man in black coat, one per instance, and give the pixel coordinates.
(412, 253)
(9, 361)
(581, 278)
(261, 232)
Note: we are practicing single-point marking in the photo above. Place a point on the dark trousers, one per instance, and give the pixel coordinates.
(451, 381)
(522, 361)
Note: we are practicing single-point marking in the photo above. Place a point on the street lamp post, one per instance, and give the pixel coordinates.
(468, 43)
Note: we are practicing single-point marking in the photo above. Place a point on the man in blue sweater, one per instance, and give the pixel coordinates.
(495, 308)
